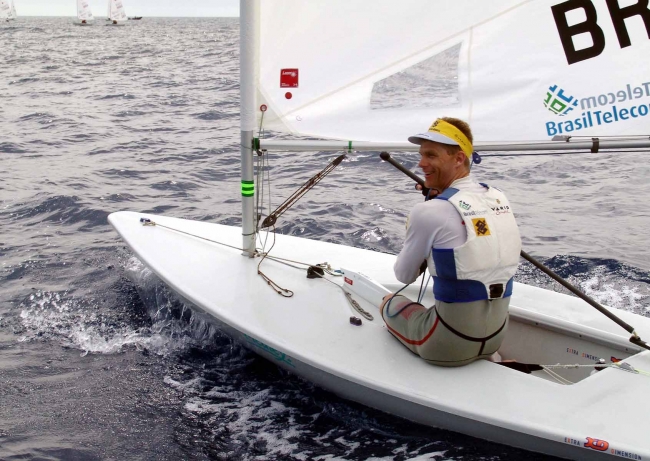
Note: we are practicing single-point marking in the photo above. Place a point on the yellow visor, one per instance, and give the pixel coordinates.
(445, 133)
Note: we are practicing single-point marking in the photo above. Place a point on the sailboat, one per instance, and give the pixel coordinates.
(116, 15)
(84, 15)
(526, 76)
(13, 14)
(6, 11)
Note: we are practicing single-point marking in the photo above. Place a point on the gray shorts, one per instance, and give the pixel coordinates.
(449, 334)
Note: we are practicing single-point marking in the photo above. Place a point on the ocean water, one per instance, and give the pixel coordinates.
(98, 360)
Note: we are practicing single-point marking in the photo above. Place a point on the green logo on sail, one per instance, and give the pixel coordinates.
(559, 102)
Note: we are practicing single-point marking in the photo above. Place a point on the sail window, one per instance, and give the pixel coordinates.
(430, 83)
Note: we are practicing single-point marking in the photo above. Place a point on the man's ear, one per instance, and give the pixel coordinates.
(460, 157)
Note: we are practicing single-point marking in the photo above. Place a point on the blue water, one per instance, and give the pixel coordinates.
(99, 361)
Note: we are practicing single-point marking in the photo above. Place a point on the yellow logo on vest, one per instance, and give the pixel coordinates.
(480, 227)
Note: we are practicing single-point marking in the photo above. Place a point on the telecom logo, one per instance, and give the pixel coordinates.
(558, 102)
(616, 105)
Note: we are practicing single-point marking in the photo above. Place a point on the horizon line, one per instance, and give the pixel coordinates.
(73, 16)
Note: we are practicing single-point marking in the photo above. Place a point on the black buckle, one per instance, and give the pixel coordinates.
(496, 290)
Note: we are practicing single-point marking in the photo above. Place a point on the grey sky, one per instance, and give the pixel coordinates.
(149, 8)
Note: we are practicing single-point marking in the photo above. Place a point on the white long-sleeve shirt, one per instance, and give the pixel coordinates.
(432, 224)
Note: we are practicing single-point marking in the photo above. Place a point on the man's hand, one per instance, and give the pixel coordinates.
(428, 193)
(384, 300)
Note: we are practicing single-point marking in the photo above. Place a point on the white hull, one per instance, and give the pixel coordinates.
(310, 335)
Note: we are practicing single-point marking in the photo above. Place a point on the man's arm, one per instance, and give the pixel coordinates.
(417, 245)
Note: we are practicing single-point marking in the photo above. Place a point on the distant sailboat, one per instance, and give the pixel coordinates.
(6, 11)
(13, 11)
(84, 15)
(116, 14)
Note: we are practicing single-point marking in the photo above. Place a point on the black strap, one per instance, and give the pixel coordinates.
(471, 338)
(595, 145)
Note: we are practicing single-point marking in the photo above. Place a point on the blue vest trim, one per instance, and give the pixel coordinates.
(445, 263)
(463, 291)
(447, 193)
(509, 287)
(458, 291)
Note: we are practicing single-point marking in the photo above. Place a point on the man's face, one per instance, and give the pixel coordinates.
(439, 167)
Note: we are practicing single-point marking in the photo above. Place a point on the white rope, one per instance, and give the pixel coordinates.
(556, 376)
(262, 166)
(624, 366)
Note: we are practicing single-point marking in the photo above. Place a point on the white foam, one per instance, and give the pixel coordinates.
(87, 325)
(624, 297)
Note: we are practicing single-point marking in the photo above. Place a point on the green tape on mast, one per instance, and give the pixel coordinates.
(248, 188)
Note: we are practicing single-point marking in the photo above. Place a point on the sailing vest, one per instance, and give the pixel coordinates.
(484, 266)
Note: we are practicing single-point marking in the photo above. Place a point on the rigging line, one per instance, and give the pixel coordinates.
(264, 255)
(271, 219)
(256, 218)
(268, 182)
(278, 289)
(355, 305)
(258, 193)
(634, 339)
(557, 377)
(260, 197)
(623, 366)
(149, 222)
(348, 296)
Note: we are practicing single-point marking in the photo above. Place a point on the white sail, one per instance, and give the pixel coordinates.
(514, 69)
(13, 14)
(83, 11)
(116, 11)
(5, 10)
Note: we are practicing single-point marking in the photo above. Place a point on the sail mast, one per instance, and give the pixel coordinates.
(248, 31)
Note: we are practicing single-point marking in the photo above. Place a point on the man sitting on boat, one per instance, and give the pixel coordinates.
(467, 234)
